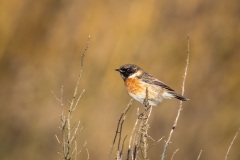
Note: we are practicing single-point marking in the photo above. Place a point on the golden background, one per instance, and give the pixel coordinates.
(40, 47)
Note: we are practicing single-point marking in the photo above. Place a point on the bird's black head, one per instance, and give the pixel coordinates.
(127, 70)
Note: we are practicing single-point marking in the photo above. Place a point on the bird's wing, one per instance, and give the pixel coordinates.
(151, 80)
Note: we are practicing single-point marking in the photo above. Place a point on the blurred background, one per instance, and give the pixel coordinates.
(40, 48)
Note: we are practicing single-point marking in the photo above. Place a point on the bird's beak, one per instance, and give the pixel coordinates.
(118, 70)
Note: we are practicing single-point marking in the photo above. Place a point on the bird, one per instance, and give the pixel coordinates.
(140, 84)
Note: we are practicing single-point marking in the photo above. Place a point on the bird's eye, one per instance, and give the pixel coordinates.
(129, 70)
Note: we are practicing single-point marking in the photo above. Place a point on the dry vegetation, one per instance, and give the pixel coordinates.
(40, 46)
(138, 143)
(69, 133)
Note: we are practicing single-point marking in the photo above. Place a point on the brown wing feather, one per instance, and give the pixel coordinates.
(151, 80)
(159, 83)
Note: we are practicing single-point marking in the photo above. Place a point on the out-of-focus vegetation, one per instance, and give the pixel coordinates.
(40, 46)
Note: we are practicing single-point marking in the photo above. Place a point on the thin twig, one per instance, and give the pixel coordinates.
(229, 148)
(180, 106)
(120, 134)
(78, 152)
(199, 155)
(79, 97)
(121, 152)
(73, 101)
(75, 132)
(119, 128)
(135, 150)
(155, 142)
(150, 112)
(133, 133)
(174, 153)
(145, 126)
(80, 74)
(66, 125)
(75, 150)
(135, 144)
(57, 139)
(87, 153)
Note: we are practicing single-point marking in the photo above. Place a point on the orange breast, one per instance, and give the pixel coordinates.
(133, 86)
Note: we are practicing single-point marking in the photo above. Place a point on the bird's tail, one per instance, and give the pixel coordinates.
(178, 96)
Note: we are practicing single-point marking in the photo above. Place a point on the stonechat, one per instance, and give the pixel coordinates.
(137, 81)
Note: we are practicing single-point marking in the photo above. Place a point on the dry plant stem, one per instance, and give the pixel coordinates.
(180, 106)
(73, 105)
(135, 153)
(66, 132)
(200, 153)
(78, 152)
(71, 108)
(144, 127)
(139, 139)
(133, 142)
(144, 137)
(132, 138)
(119, 131)
(174, 153)
(87, 153)
(69, 136)
(121, 152)
(229, 148)
(155, 142)
(76, 132)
